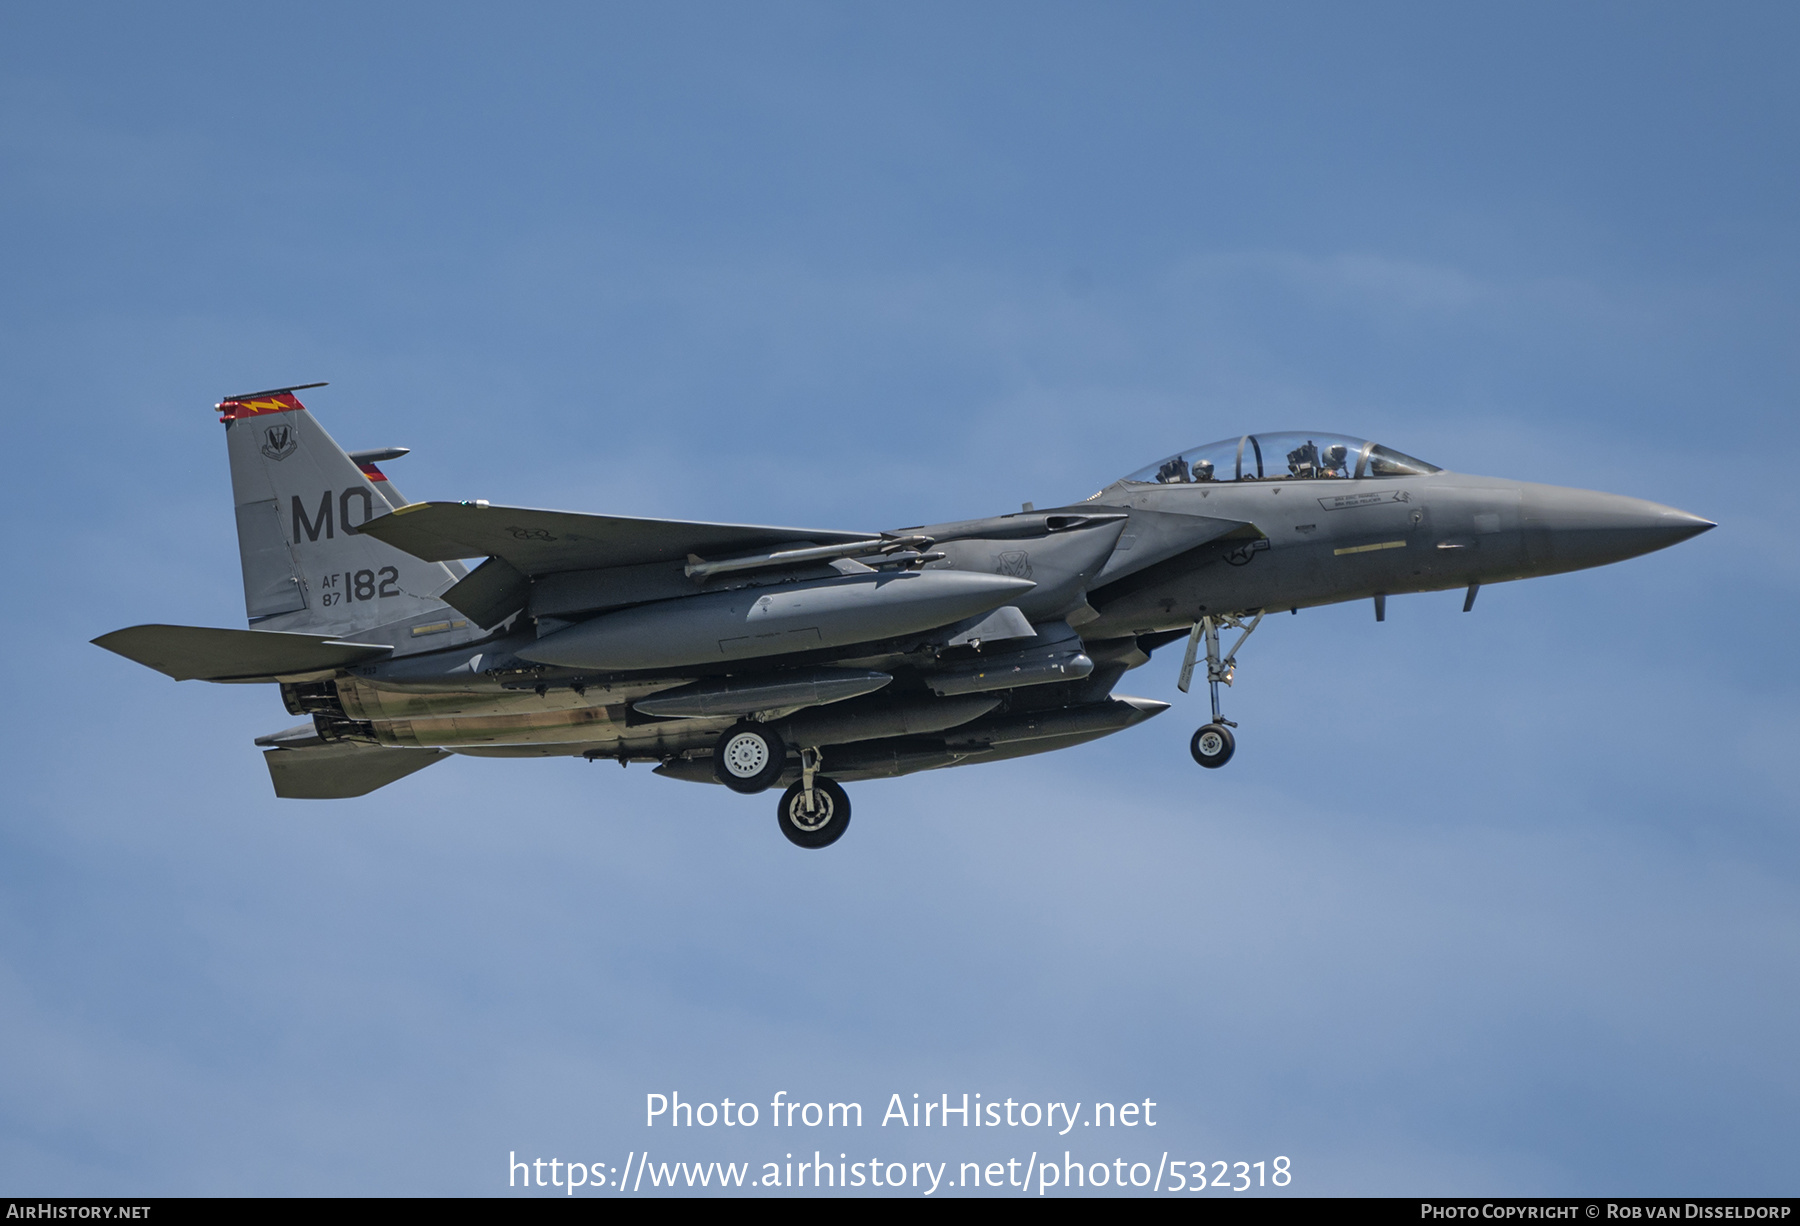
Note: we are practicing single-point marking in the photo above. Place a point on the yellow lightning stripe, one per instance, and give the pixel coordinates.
(1338, 553)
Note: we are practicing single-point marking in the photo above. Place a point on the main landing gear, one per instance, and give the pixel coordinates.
(749, 757)
(814, 812)
(1213, 745)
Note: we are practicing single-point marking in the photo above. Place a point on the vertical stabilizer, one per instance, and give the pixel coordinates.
(365, 464)
(299, 497)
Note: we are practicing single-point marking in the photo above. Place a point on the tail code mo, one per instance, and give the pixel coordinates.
(321, 522)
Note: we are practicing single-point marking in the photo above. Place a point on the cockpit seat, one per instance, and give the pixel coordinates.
(1242, 459)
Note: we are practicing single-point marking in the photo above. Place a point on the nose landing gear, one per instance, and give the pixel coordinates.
(1213, 745)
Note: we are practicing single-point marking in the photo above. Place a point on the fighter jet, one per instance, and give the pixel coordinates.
(803, 659)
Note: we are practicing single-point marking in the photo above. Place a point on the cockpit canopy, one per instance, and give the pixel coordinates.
(1289, 455)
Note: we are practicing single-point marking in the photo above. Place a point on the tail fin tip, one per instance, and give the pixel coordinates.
(270, 400)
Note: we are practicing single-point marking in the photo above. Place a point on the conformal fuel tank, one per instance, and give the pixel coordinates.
(761, 621)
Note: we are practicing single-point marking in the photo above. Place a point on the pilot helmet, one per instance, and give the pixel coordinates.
(1203, 470)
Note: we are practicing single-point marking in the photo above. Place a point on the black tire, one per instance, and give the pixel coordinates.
(748, 757)
(1213, 746)
(825, 825)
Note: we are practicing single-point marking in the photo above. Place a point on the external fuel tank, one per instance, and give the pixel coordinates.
(753, 622)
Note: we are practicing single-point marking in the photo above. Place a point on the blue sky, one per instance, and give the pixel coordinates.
(1504, 903)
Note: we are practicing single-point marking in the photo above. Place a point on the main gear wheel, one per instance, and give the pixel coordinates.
(748, 757)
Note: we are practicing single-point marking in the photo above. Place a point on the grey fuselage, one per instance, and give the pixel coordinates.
(1326, 540)
(1127, 569)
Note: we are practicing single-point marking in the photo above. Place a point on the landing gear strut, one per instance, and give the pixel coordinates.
(814, 812)
(1213, 745)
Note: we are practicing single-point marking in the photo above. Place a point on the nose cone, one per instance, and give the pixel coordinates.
(1581, 528)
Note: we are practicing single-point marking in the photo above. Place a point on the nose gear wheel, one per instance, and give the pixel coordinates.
(1212, 746)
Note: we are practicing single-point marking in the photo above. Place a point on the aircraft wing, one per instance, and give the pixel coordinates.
(543, 542)
(203, 653)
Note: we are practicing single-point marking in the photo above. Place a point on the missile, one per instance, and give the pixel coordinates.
(718, 627)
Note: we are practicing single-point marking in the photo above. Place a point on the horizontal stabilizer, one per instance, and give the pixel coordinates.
(342, 770)
(203, 653)
(544, 542)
